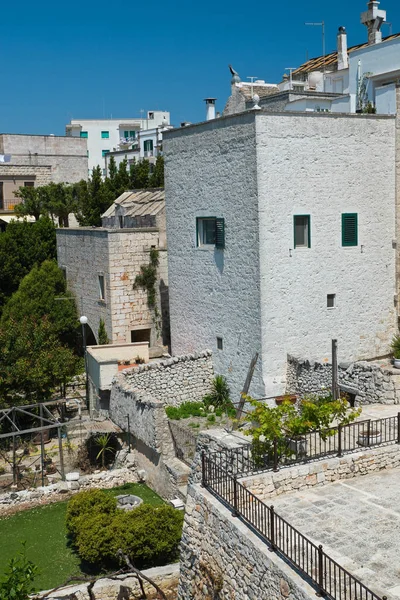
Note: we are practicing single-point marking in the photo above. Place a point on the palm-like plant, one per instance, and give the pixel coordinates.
(103, 441)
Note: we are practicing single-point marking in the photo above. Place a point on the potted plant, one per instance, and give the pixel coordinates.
(395, 346)
(370, 436)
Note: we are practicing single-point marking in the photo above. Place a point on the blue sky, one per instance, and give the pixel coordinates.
(98, 59)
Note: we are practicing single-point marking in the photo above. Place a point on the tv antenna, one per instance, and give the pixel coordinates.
(290, 69)
(253, 79)
(322, 25)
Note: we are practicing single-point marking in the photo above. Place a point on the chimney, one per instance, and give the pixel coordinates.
(343, 57)
(373, 19)
(210, 104)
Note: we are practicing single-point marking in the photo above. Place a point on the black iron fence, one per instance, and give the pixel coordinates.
(285, 451)
(184, 442)
(326, 575)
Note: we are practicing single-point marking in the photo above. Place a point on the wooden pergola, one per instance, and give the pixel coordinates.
(46, 421)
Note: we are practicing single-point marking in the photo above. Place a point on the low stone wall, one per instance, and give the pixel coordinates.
(12, 502)
(374, 384)
(120, 587)
(175, 380)
(267, 485)
(222, 558)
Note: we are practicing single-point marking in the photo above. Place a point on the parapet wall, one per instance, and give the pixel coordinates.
(175, 380)
(375, 385)
(289, 479)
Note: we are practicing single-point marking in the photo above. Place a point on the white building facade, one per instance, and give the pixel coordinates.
(281, 230)
(108, 135)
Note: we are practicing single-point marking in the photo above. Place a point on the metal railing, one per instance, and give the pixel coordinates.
(9, 205)
(184, 442)
(335, 441)
(326, 575)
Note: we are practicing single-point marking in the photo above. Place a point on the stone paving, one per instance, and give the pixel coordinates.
(358, 523)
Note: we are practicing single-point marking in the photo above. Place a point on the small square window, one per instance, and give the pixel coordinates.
(105, 135)
(331, 301)
(220, 343)
(101, 287)
(302, 231)
(151, 115)
(211, 232)
(29, 184)
(104, 152)
(83, 134)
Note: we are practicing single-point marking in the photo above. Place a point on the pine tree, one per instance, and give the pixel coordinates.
(102, 333)
(157, 177)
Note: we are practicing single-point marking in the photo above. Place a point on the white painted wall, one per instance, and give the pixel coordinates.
(325, 165)
(385, 99)
(211, 171)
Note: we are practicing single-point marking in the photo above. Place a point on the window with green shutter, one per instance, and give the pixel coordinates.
(83, 134)
(104, 152)
(126, 134)
(105, 135)
(132, 134)
(210, 232)
(349, 229)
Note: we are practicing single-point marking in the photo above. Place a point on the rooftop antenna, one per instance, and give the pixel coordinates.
(322, 25)
(253, 79)
(290, 69)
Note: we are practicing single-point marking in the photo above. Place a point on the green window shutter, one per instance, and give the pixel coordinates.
(83, 134)
(349, 229)
(197, 232)
(132, 134)
(220, 233)
(126, 134)
(105, 135)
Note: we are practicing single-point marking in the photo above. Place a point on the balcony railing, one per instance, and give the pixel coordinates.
(8, 205)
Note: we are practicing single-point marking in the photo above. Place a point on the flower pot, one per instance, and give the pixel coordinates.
(374, 437)
(292, 398)
(396, 363)
(298, 445)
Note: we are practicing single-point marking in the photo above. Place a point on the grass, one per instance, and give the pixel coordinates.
(43, 530)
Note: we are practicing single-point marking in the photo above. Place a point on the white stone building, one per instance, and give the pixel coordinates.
(280, 238)
(343, 81)
(148, 146)
(101, 265)
(113, 135)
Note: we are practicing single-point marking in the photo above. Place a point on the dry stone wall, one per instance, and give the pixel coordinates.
(221, 558)
(374, 384)
(14, 501)
(121, 586)
(175, 380)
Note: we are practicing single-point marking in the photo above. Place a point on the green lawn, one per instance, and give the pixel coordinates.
(43, 530)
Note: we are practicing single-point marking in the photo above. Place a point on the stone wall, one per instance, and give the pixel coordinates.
(117, 255)
(374, 384)
(13, 501)
(142, 393)
(222, 558)
(175, 380)
(289, 479)
(42, 174)
(121, 586)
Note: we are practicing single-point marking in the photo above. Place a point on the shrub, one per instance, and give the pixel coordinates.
(185, 411)
(149, 535)
(220, 396)
(173, 413)
(395, 346)
(86, 504)
(211, 418)
(18, 578)
(93, 539)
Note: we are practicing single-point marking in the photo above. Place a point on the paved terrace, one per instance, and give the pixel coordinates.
(358, 523)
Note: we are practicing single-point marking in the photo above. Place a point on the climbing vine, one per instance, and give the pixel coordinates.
(147, 280)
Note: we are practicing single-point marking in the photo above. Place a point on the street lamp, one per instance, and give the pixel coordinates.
(83, 321)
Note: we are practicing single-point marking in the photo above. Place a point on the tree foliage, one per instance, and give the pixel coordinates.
(56, 200)
(17, 583)
(43, 293)
(22, 246)
(33, 362)
(84, 504)
(102, 333)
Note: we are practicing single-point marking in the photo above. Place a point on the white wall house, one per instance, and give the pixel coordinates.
(148, 145)
(280, 237)
(107, 135)
(344, 81)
